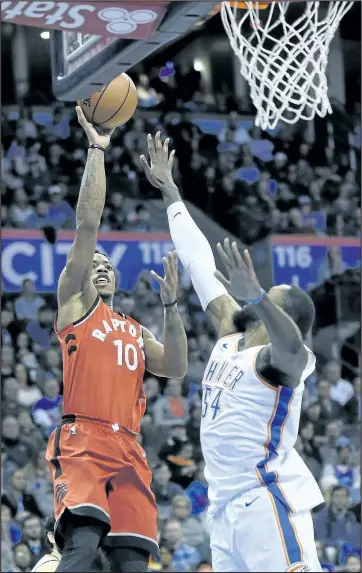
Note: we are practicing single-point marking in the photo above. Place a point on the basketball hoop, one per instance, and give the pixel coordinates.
(284, 60)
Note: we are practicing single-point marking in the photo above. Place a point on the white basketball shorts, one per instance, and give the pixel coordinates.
(256, 532)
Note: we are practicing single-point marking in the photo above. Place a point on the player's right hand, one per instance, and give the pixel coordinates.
(159, 173)
(99, 138)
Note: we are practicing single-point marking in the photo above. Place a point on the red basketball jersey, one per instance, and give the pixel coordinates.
(103, 367)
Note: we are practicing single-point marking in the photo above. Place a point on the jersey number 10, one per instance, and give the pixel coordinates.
(210, 402)
(126, 355)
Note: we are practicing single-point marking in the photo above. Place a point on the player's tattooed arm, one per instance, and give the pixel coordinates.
(286, 351)
(170, 358)
(76, 293)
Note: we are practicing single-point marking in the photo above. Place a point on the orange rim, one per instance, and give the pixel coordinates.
(240, 5)
(243, 5)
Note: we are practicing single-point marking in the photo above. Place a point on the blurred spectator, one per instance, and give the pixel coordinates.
(30, 433)
(184, 557)
(17, 451)
(7, 361)
(40, 328)
(352, 564)
(179, 456)
(353, 406)
(341, 390)
(51, 364)
(193, 430)
(39, 482)
(20, 210)
(193, 531)
(309, 449)
(196, 364)
(10, 531)
(335, 523)
(323, 558)
(22, 558)
(10, 391)
(164, 489)
(343, 471)
(171, 409)
(151, 387)
(16, 498)
(139, 219)
(9, 327)
(47, 410)
(28, 304)
(204, 566)
(34, 538)
(28, 392)
(330, 408)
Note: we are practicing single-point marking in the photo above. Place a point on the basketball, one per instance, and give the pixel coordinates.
(112, 105)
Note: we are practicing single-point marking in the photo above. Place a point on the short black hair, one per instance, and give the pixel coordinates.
(103, 255)
(300, 307)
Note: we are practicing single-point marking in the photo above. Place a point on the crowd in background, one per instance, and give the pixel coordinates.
(252, 184)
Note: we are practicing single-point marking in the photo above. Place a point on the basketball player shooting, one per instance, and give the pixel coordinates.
(261, 492)
(101, 477)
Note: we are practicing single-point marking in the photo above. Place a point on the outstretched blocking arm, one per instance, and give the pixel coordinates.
(286, 351)
(170, 358)
(192, 246)
(76, 293)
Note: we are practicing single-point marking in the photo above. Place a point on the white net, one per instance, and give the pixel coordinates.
(284, 58)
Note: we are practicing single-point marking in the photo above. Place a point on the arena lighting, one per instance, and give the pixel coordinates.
(45, 35)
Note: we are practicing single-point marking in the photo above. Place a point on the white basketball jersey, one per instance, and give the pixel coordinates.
(249, 429)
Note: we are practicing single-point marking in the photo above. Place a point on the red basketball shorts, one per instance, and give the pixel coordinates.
(99, 470)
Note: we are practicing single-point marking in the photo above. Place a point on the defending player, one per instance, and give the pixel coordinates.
(260, 490)
(101, 477)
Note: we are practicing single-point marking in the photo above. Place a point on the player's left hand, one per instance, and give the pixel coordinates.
(169, 283)
(243, 283)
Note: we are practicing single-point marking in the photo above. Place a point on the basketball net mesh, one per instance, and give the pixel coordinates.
(284, 62)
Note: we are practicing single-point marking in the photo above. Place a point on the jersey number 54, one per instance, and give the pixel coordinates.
(211, 402)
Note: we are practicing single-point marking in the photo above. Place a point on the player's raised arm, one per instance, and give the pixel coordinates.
(76, 293)
(192, 246)
(286, 351)
(170, 358)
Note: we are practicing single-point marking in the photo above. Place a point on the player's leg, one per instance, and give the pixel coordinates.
(80, 500)
(82, 536)
(133, 511)
(221, 543)
(304, 527)
(127, 559)
(268, 537)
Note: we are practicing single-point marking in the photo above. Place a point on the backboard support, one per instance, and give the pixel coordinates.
(82, 63)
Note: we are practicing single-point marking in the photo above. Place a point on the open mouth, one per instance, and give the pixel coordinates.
(102, 280)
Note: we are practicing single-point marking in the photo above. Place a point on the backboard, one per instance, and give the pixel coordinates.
(83, 62)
